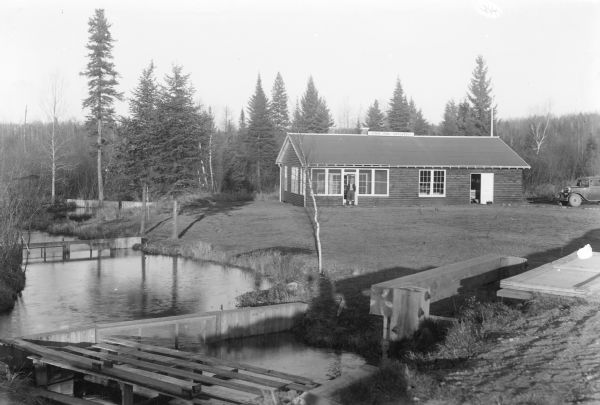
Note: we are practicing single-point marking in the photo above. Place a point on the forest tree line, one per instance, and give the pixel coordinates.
(168, 144)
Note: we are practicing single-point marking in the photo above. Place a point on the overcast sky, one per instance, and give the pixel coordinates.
(539, 53)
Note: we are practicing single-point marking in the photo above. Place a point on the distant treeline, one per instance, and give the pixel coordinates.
(559, 149)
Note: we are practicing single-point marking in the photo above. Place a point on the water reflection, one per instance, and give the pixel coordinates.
(62, 295)
(283, 352)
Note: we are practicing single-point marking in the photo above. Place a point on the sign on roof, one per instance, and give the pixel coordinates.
(383, 133)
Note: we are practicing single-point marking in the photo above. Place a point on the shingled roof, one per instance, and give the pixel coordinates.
(403, 151)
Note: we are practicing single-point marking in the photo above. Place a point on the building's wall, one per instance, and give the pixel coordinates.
(404, 189)
(289, 159)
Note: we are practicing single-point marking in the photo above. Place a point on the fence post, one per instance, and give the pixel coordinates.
(174, 236)
(410, 307)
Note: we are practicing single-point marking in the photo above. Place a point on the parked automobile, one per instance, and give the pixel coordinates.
(585, 189)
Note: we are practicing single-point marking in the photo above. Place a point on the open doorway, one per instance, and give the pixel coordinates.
(482, 188)
(350, 188)
(475, 188)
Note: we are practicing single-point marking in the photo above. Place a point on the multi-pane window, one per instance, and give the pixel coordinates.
(318, 181)
(439, 182)
(370, 181)
(381, 182)
(335, 181)
(364, 182)
(295, 180)
(432, 183)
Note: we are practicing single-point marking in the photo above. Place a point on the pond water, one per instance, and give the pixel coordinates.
(284, 352)
(61, 295)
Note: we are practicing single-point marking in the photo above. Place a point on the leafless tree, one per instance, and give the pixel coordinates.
(538, 127)
(305, 154)
(56, 146)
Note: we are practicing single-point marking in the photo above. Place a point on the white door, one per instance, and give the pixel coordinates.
(487, 188)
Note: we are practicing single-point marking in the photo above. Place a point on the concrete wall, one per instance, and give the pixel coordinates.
(191, 329)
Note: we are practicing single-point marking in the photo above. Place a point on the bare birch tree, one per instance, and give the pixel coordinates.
(54, 106)
(306, 176)
(538, 128)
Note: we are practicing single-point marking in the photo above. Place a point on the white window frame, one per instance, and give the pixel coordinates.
(285, 178)
(314, 186)
(354, 170)
(431, 183)
(341, 193)
(372, 191)
(294, 180)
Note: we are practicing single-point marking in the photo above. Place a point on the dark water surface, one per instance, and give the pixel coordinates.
(61, 295)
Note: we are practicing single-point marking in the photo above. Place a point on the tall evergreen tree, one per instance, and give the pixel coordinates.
(398, 114)
(450, 123)
(421, 126)
(279, 107)
(297, 117)
(102, 81)
(242, 125)
(313, 114)
(181, 136)
(465, 120)
(375, 118)
(261, 138)
(480, 98)
(132, 161)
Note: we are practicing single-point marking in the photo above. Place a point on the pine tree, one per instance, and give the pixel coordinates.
(450, 123)
(132, 160)
(375, 118)
(297, 118)
(480, 98)
(421, 126)
(102, 82)
(181, 137)
(261, 138)
(314, 116)
(279, 108)
(242, 126)
(398, 114)
(466, 120)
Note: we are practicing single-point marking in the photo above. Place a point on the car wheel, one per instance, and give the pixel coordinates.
(574, 200)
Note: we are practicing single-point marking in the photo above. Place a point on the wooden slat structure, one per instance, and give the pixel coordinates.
(404, 302)
(153, 370)
(568, 276)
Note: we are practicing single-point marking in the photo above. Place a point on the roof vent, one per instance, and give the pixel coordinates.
(382, 133)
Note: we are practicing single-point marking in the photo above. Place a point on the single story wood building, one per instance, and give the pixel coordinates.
(398, 169)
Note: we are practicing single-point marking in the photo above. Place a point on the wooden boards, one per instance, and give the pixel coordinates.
(567, 276)
(173, 373)
(404, 302)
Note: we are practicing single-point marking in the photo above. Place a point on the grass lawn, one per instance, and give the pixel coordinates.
(358, 240)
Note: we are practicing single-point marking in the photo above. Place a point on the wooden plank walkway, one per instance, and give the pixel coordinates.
(172, 373)
(567, 276)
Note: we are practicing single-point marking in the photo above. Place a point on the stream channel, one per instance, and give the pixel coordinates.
(131, 285)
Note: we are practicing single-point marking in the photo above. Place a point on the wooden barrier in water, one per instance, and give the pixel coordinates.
(93, 245)
(404, 302)
(188, 329)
